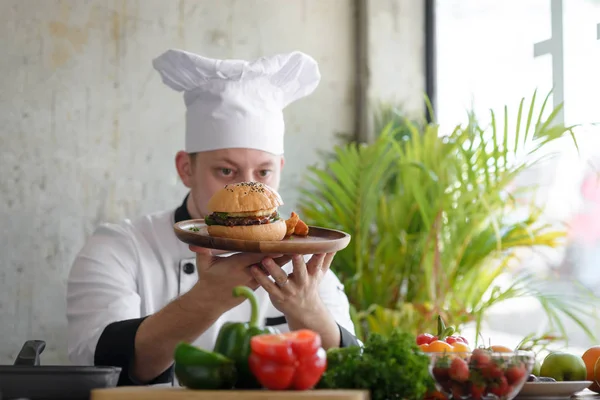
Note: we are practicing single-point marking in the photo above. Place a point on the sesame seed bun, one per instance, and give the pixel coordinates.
(236, 210)
(244, 197)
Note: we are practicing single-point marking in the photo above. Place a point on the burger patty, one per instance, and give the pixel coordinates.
(224, 220)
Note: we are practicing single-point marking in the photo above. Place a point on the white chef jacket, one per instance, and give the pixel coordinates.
(132, 269)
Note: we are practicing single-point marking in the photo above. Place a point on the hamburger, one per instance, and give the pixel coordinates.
(246, 211)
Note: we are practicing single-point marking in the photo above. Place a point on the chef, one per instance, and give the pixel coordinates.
(135, 290)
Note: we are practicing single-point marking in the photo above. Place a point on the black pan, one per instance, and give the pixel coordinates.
(27, 379)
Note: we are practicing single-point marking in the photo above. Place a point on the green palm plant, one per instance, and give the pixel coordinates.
(432, 221)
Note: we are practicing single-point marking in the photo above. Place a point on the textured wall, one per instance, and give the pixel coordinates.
(397, 53)
(88, 132)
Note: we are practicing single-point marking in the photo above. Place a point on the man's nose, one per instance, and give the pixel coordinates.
(246, 176)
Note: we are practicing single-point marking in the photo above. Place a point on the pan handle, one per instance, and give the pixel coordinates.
(30, 353)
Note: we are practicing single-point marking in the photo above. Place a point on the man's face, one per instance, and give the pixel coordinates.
(209, 171)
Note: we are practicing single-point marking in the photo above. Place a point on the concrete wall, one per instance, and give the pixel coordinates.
(88, 132)
(396, 49)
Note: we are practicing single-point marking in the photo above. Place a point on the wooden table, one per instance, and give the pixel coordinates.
(174, 393)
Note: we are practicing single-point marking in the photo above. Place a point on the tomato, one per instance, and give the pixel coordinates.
(456, 339)
(451, 339)
(444, 334)
(425, 338)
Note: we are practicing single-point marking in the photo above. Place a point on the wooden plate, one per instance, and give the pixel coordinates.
(319, 240)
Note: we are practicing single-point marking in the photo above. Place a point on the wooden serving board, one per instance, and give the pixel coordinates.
(169, 393)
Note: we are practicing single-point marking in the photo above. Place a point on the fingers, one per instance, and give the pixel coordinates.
(204, 257)
(281, 261)
(244, 260)
(314, 264)
(327, 261)
(300, 271)
(275, 270)
(267, 284)
(253, 284)
(213, 252)
(200, 250)
(204, 250)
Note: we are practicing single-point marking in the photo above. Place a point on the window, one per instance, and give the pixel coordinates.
(490, 54)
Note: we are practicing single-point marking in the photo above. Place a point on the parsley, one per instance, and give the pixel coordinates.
(391, 368)
(194, 229)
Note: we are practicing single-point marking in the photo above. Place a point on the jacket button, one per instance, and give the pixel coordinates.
(189, 268)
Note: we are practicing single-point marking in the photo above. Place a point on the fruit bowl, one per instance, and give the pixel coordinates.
(481, 374)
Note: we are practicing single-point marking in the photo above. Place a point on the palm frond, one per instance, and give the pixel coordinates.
(432, 218)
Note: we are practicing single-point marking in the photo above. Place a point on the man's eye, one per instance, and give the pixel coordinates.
(226, 171)
(264, 173)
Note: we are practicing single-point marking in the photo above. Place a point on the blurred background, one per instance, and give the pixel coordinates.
(89, 133)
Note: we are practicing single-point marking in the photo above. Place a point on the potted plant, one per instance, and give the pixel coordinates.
(433, 222)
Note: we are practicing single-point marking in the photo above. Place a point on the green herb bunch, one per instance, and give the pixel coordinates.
(390, 367)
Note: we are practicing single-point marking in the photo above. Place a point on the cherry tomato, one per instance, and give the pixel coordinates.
(425, 338)
(451, 339)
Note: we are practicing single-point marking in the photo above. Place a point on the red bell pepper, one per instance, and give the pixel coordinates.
(293, 360)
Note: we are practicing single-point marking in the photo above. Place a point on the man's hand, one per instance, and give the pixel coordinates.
(297, 295)
(191, 314)
(217, 276)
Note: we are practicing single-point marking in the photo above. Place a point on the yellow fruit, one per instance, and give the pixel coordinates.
(501, 349)
(461, 347)
(437, 346)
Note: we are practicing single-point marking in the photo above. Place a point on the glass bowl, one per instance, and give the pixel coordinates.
(481, 374)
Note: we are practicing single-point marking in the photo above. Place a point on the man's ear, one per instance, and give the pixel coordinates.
(282, 162)
(183, 163)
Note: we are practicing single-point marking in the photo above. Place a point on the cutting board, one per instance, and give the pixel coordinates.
(168, 393)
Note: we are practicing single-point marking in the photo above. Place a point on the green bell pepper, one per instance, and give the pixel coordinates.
(233, 340)
(199, 369)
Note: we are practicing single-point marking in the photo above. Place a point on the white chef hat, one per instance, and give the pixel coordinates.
(237, 103)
